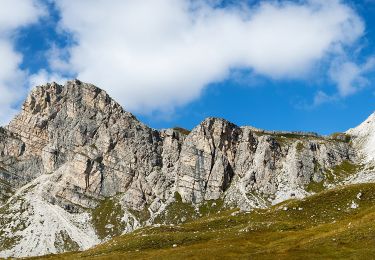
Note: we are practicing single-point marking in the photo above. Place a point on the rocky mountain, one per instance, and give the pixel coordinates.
(76, 169)
(365, 138)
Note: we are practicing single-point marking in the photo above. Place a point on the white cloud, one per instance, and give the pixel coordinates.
(322, 98)
(349, 76)
(43, 76)
(157, 54)
(15, 14)
(12, 78)
(11, 81)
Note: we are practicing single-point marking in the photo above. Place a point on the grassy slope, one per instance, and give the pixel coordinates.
(333, 176)
(324, 225)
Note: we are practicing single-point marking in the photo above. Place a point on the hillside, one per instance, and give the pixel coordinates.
(77, 170)
(338, 223)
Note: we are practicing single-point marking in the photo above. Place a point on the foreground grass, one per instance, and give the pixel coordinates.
(333, 224)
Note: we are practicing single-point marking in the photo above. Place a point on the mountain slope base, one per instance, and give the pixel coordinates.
(332, 224)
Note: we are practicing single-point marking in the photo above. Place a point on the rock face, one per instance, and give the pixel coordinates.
(72, 148)
(102, 149)
(364, 138)
(220, 159)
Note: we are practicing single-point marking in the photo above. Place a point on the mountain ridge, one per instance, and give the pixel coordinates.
(76, 151)
(365, 134)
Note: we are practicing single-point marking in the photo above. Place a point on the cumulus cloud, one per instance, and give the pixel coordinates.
(12, 78)
(350, 77)
(322, 98)
(43, 76)
(11, 81)
(154, 55)
(13, 16)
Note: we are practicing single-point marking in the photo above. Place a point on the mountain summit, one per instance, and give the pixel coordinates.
(77, 170)
(365, 137)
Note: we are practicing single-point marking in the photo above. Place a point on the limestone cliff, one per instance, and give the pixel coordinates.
(73, 149)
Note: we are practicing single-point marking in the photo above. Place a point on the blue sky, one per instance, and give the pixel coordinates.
(280, 65)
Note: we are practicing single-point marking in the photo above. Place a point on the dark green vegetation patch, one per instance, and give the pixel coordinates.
(106, 218)
(333, 176)
(180, 212)
(181, 130)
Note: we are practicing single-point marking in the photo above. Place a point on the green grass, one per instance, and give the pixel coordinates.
(341, 137)
(5, 191)
(323, 226)
(293, 136)
(106, 218)
(64, 243)
(299, 147)
(180, 212)
(333, 176)
(93, 146)
(290, 138)
(6, 213)
(342, 171)
(8, 242)
(141, 215)
(177, 212)
(181, 130)
(315, 187)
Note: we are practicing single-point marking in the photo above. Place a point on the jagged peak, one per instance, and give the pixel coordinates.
(364, 135)
(44, 97)
(70, 88)
(53, 103)
(365, 127)
(212, 120)
(370, 119)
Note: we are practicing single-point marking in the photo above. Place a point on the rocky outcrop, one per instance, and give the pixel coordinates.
(16, 167)
(75, 147)
(206, 160)
(103, 149)
(219, 158)
(364, 139)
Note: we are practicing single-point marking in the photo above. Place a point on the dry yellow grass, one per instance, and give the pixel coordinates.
(333, 224)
